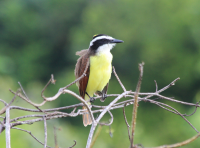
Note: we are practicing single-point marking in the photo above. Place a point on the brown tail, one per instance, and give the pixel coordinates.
(86, 118)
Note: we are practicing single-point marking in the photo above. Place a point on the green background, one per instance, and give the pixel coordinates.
(40, 37)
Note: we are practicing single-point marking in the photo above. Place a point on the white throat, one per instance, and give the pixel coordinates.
(105, 49)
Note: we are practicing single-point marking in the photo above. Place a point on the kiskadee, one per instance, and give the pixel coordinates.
(98, 72)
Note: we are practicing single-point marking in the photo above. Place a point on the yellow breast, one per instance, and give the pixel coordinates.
(100, 72)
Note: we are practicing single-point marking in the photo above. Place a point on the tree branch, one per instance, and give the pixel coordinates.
(7, 125)
(31, 135)
(181, 143)
(135, 106)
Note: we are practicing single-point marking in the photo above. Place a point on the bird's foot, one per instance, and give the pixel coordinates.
(92, 99)
(104, 96)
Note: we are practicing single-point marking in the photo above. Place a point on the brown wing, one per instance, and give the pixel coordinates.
(79, 69)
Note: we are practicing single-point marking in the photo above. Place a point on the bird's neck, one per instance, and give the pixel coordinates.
(105, 49)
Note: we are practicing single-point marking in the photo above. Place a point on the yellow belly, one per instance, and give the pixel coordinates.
(100, 73)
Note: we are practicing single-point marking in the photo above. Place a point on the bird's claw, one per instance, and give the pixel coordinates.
(92, 99)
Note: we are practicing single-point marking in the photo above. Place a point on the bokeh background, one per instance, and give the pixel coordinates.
(40, 37)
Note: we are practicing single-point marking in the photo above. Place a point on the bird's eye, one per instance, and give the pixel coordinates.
(112, 41)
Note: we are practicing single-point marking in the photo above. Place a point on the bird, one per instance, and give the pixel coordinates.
(98, 72)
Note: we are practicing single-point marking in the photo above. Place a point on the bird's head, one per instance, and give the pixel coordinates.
(103, 42)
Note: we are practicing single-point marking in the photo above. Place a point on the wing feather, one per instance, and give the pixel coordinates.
(79, 69)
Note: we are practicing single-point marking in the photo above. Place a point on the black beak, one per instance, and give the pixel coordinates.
(116, 41)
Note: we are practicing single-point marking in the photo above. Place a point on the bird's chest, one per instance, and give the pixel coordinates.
(100, 71)
(101, 64)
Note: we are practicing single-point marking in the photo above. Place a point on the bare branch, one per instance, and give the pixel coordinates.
(4, 102)
(135, 106)
(181, 143)
(128, 126)
(31, 135)
(156, 85)
(23, 90)
(8, 128)
(7, 105)
(118, 79)
(194, 110)
(73, 145)
(50, 81)
(27, 100)
(111, 120)
(55, 136)
(27, 97)
(45, 132)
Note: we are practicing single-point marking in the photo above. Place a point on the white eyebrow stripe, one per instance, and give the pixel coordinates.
(99, 38)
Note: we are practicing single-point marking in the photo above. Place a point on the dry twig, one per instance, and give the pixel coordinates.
(31, 135)
(128, 126)
(118, 79)
(135, 106)
(181, 143)
(45, 132)
(7, 105)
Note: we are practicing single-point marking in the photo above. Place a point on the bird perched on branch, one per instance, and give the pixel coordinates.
(98, 71)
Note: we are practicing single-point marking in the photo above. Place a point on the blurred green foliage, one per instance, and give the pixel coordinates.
(40, 38)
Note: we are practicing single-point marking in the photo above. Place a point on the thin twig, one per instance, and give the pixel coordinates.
(155, 102)
(156, 85)
(23, 90)
(4, 109)
(181, 143)
(128, 126)
(45, 132)
(135, 106)
(73, 144)
(194, 110)
(50, 81)
(55, 137)
(118, 79)
(27, 96)
(31, 135)
(110, 120)
(27, 100)
(1, 127)
(4, 102)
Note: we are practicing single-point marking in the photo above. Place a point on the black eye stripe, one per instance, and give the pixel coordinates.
(99, 43)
